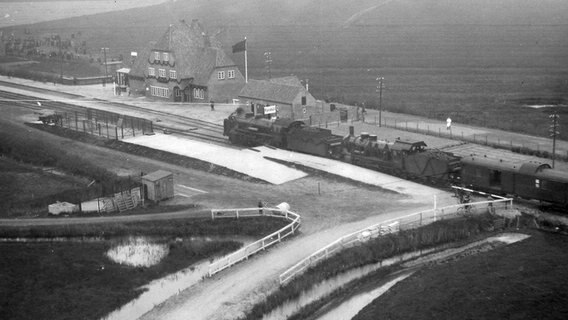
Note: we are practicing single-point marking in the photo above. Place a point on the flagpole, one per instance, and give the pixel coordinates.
(246, 63)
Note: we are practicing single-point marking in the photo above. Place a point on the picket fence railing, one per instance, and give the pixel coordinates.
(262, 244)
(392, 226)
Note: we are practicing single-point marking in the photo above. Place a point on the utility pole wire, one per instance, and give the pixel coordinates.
(553, 133)
(105, 62)
(380, 91)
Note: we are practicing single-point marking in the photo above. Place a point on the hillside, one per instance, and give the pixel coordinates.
(466, 59)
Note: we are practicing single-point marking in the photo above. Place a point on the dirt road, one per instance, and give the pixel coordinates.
(229, 294)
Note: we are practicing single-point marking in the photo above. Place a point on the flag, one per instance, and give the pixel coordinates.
(240, 46)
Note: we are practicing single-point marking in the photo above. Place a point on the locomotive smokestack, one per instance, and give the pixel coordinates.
(351, 131)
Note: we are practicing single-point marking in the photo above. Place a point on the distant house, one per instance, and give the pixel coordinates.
(185, 65)
(290, 98)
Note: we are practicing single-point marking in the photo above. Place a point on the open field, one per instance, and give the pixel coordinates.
(20, 12)
(525, 280)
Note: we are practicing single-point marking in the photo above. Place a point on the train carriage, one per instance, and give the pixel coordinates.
(531, 180)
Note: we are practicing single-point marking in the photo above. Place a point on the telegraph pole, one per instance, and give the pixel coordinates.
(380, 91)
(268, 61)
(553, 133)
(105, 62)
(61, 66)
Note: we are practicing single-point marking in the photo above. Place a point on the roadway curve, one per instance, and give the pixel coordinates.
(230, 293)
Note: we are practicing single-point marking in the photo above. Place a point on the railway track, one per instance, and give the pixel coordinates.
(169, 123)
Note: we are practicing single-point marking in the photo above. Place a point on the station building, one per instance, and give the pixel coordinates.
(185, 65)
(280, 97)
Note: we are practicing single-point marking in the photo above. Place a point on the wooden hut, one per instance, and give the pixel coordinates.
(158, 185)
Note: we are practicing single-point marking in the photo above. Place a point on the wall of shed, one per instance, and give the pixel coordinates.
(161, 189)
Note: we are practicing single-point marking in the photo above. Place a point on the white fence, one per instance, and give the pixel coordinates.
(258, 245)
(392, 226)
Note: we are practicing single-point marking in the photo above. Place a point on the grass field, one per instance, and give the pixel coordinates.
(77, 281)
(520, 281)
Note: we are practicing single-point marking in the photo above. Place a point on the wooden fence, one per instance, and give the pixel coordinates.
(106, 124)
(262, 244)
(411, 221)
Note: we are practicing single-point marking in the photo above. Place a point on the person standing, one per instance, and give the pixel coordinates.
(212, 105)
(260, 206)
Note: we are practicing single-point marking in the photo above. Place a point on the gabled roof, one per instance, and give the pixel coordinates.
(289, 80)
(270, 91)
(157, 175)
(193, 53)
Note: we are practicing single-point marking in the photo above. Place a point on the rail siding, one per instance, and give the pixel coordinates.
(243, 253)
(387, 227)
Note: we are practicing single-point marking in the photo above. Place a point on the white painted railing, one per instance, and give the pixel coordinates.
(245, 252)
(392, 226)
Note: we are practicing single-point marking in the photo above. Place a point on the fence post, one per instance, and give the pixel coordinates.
(212, 214)
(237, 214)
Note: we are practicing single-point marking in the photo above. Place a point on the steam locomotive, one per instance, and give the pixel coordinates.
(407, 159)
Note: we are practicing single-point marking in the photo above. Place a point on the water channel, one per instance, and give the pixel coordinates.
(161, 289)
(352, 305)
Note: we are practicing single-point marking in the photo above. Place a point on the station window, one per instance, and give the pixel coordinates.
(173, 74)
(537, 183)
(159, 92)
(162, 73)
(198, 93)
(156, 55)
(166, 56)
(231, 74)
(151, 71)
(221, 75)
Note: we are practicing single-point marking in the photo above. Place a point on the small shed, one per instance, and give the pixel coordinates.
(158, 185)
